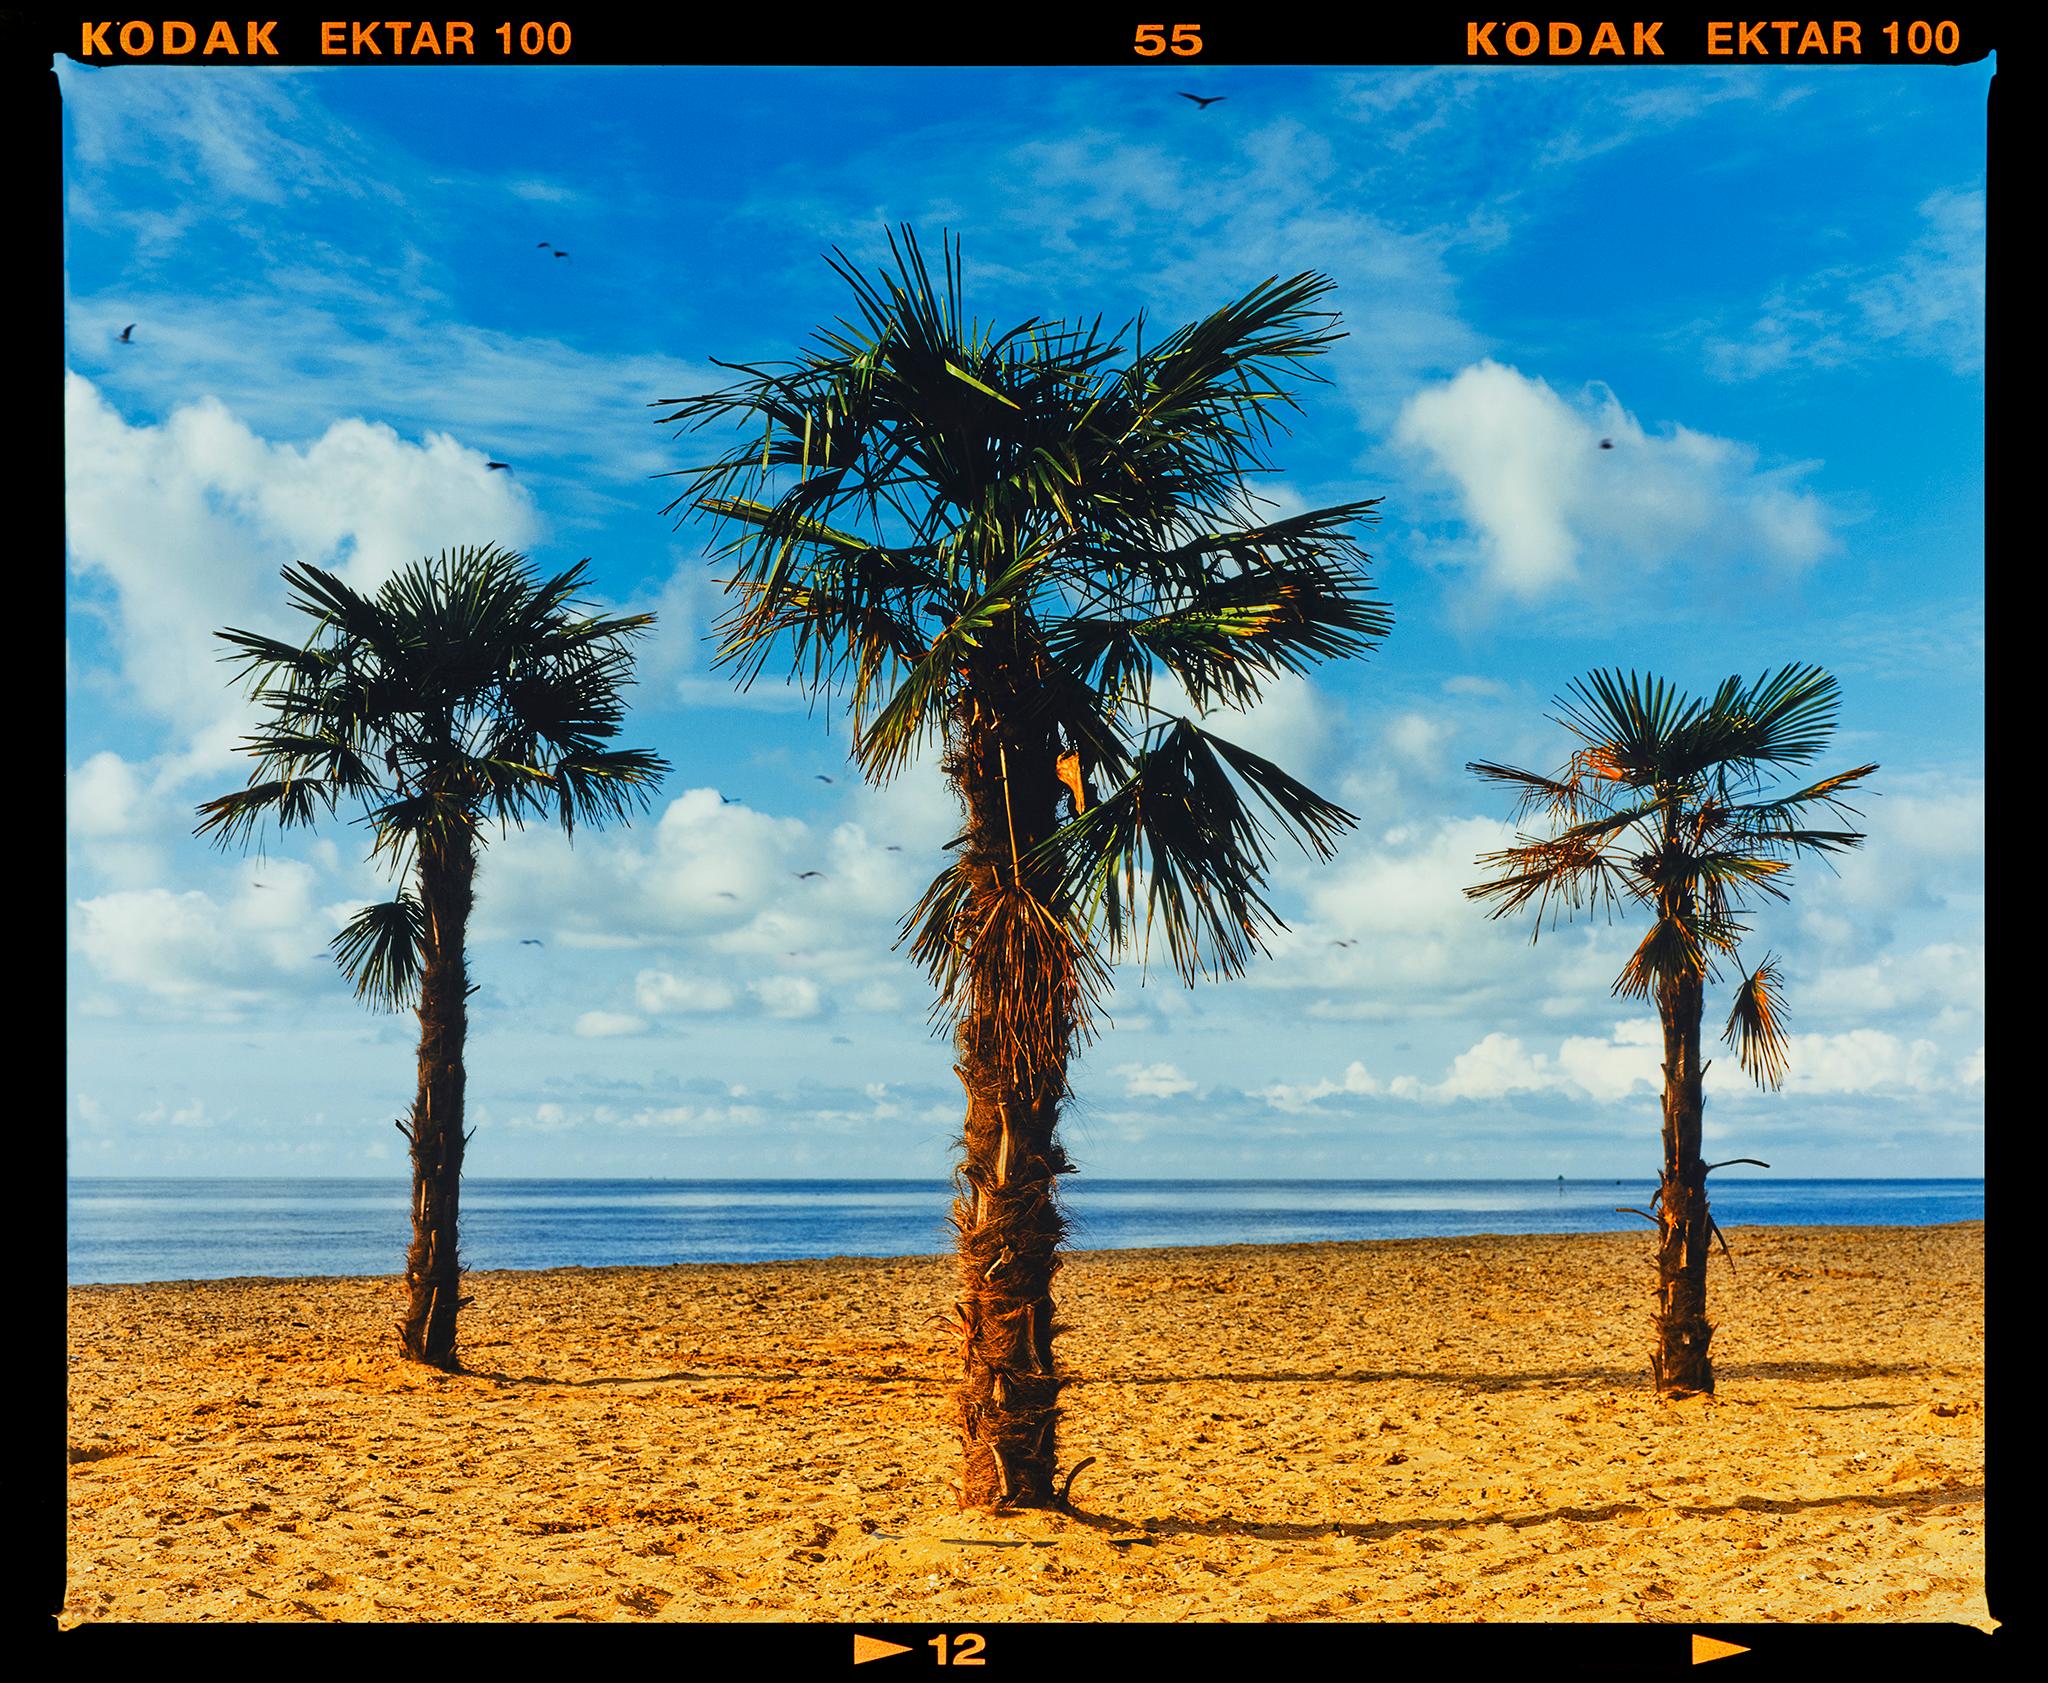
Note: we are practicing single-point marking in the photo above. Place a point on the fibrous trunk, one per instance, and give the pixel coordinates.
(1012, 1042)
(1684, 1232)
(432, 1272)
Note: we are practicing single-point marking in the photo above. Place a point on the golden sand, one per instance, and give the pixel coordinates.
(1440, 1429)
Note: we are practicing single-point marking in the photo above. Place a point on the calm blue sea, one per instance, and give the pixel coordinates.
(130, 1230)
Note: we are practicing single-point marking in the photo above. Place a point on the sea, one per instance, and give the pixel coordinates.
(124, 1231)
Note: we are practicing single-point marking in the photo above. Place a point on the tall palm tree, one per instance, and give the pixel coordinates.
(1664, 805)
(466, 690)
(999, 541)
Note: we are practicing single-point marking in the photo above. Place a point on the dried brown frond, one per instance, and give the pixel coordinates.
(1756, 1025)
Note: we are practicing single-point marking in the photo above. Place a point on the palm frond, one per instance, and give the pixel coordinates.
(1783, 718)
(1571, 872)
(381, 950)
(1756, 1025)
(1179, 824)
(1674, 949)
(1564, 800)
(1629, 721)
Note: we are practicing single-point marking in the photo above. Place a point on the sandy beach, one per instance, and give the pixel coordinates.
(1441, 1429)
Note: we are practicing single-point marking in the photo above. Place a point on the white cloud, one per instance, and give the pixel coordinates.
(105, 798)
(1295, 1098)
(789, 997)
(606, 1025)
(1866, 1061)
(1154, 1081)
(204, 954)
(661, 994)
(1550, 505)
(190, 522)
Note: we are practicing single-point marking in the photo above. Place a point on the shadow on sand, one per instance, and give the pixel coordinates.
(1920, 1501)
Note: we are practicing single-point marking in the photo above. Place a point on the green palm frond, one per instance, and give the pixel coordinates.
(945, 524)
(1784, 718)
(466, 688)
(1231, 635)
(1756, 1025)
(1180, 824)
(382, 951)
(290, 801)
(1633, 723)
(917, 710)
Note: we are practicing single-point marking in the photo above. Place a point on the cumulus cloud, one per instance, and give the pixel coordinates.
(1550, 506)
(187, 523)
(1294, 1098)
(1154, 1081)
(1627, 1063)
(660, 994)
(206, 954)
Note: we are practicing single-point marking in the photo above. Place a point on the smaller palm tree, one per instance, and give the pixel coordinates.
(466, 690)
(1663, 805)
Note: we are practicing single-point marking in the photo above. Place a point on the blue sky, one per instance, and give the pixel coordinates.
(1765, 287)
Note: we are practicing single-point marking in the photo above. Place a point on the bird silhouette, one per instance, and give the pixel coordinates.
(559, 252)
(531, 942)
(543, 246)
(892, 848)
(804, 876)
(124, 339)
(1607, 444)
(822, 778)
(1213, 99)
(728, 800)
(727, 894)
(494, 467)
(1351, 943)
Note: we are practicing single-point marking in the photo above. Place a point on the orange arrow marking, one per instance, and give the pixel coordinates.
(1705, 1648)
(867, 1648)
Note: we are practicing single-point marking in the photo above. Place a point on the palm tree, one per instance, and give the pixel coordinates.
(466, 690)
(999, 541)
(1664, 805)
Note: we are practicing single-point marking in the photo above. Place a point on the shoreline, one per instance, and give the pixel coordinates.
(1447, 1428)
(1068, 1253)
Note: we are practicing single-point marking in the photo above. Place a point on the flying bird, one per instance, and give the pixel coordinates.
(531, 942)
(727, 894)
(1213, 99)
(494, 467)
(892, 848)
(803, 876)
(822, 778)
(124, 339)
(1350, 943)
(728, 800)
(1607, 444)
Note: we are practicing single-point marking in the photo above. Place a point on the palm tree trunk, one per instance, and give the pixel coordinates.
(432, 1271)
(1006, 1210)
(1684, 1233)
